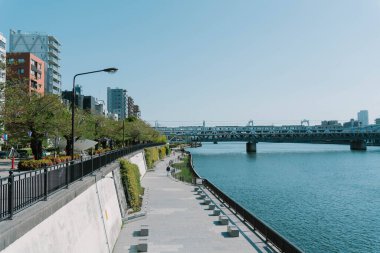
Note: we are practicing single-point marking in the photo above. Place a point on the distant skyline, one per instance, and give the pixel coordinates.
(225, 62)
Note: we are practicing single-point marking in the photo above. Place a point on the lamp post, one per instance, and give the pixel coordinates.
(108, 70)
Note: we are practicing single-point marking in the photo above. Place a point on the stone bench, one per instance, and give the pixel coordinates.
(196, 189)
(144, 230)
(232, 231)
(202, 196)
(199, 192)
(206, 201)
(223, 220)
(142, 246)
(211, 207)
(216, 212)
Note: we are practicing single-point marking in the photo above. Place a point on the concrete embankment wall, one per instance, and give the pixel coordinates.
(87, 217)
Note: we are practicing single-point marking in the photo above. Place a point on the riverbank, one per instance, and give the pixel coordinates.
(179, 223)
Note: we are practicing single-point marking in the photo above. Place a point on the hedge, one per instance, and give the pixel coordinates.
(130, 176)
(152, 155)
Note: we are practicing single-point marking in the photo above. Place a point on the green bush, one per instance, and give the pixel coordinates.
(184, 173)
(130, 176)
(151, 156)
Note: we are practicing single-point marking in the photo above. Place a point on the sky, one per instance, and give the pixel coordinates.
(225, 62)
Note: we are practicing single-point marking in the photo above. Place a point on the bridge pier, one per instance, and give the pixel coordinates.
(251, 147)
(358, 145)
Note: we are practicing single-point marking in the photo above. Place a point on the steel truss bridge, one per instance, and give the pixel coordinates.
(357, 137)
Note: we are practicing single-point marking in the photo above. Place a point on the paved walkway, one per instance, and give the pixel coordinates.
(179, 223)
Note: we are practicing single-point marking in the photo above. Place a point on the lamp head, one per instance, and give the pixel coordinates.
(110, 70)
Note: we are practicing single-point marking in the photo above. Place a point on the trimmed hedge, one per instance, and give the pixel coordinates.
(130, 176)
(152, 155)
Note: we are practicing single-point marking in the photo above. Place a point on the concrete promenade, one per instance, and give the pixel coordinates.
(179, 223)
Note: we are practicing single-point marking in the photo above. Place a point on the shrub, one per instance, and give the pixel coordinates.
(151, 156)
(34, 164)
(130, 176)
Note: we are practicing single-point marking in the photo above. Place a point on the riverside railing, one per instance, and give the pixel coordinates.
(22, 190)
(247, 217)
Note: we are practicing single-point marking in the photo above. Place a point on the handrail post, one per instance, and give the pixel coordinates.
(81, 168)
(46, 186)
(92, 163)
(11, 194)
(67, 175)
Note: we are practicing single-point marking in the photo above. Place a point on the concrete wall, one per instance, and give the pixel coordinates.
(89, 223)
(87, 217)
(139, 160)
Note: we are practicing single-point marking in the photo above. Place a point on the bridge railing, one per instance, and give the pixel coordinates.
(19, 191)
(247, 217)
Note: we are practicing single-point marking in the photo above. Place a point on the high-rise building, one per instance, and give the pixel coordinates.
(117, 102)
(89, 104)
(363, 118)
(79, 97)
(3, 42)
(45, 47)
(377, 121)
(28, 68)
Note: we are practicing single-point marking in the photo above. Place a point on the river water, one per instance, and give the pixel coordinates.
(323, 198)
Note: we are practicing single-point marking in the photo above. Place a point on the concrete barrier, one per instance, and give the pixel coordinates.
(87, 217)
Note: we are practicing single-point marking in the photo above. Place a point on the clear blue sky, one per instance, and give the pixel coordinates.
(220, 61)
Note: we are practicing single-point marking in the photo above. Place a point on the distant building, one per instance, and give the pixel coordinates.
(330, 123)
(377, 121)
(136, 111)
(44, 46)
(67, 97)
(133, 109)
(3, 42)
(89, 104)
(351, 123)
(29, 68)
(99, 109)
(117, 102)
(363, 118)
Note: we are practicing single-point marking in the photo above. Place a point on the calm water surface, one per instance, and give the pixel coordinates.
(324, 198)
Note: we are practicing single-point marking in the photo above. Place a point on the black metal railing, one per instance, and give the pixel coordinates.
(21, 190)
(247, 217)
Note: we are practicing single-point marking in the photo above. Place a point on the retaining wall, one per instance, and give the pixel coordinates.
(87, 217)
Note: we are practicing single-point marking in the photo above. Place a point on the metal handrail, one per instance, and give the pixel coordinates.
(22, 190)
(249, 218)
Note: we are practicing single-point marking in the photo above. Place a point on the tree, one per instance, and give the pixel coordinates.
(31, 115)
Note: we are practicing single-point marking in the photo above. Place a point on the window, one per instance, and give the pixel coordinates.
(11, 60)
(21, 60)
(38, 75)
(20, 71)
(39, 66)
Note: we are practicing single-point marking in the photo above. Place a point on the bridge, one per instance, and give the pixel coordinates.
(357, 137)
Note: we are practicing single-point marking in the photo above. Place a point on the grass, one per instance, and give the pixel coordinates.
(184, 173)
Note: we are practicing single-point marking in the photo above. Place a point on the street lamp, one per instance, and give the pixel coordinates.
(108, 70)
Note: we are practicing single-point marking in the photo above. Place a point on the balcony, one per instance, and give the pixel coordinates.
(53, 61)
(53, 69)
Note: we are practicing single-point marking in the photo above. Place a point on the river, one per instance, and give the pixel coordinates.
(323, 198)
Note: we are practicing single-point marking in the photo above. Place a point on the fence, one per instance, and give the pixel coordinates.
(21, 190)
(248, 218)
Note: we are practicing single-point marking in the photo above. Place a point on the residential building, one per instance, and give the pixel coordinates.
(28, 68)
(363, 118)
(117, 102)
(136, 111)
(99, 109)
(113, 116)
(133, 109)
(131, 103)
(377, 121)
(44, 46)
(3, 42)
